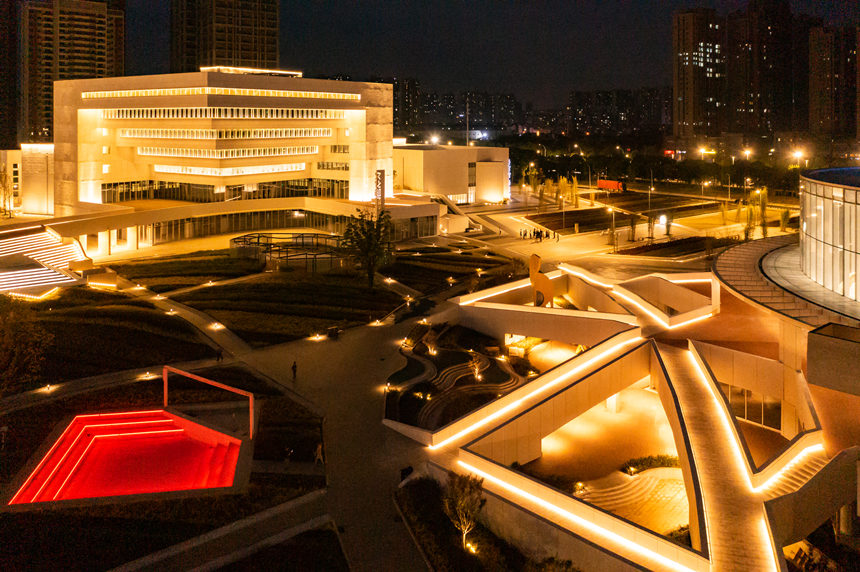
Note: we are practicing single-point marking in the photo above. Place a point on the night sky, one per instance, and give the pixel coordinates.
(538, 50)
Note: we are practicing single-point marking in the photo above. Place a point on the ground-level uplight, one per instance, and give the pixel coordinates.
(216, 326)
(317, 338)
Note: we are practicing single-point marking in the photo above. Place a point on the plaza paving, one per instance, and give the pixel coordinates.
(601, 440)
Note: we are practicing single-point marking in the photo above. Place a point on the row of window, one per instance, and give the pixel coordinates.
(227, 153)
(202, 193)
(221, 113)
(284, 133)
(332, 166)
(172, 91)
(340, 148)
(830, 237)
(228, 171)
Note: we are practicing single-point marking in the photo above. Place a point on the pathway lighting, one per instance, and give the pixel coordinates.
(158, 297)
(216, 326)
(317, 338)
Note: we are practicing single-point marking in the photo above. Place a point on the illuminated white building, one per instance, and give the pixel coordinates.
(150, 159)
(829, 233)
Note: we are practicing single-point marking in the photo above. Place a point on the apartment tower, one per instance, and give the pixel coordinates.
(60, 40)
(238, 33)
(697, 73)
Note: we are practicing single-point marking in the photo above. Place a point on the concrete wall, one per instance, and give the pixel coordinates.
(795, 515)
(585, 295)
(491, 181)
(764, 376)
(574, 327)
(833, 358)
(662, 293)
(36, 187)
(518, 440)
(523, 397)
(537, 537)
(569, 513)
(668, 399)
(839, 414)
(444, 169)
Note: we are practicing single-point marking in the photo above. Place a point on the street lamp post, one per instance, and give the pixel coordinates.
(612, 229)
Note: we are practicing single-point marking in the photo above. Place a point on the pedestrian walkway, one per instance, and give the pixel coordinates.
(737, 534)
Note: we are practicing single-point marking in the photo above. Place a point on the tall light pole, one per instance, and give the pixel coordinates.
(612, 229)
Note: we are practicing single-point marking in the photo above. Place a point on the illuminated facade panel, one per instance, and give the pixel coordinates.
(829, 234)
(173, 91)
(221, 113)
(227, 153)
(229, 171)
(290, 133)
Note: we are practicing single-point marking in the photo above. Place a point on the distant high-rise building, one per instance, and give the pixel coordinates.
(801, 26)
(619, 111)
(759, 68)
(8, 74)
(833, 81)
(407, 104)
(59, 40)
(697, 73)
(223, 33)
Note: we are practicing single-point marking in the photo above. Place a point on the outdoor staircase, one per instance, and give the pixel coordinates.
(797, 476)
(629, 491)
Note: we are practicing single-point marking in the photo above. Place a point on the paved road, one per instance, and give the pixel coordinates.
(363, 458)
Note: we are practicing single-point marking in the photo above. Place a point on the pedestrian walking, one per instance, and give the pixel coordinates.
(318, 455)
(219, 355)
(295, 369)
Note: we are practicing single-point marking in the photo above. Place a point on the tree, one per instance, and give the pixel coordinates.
(22, 346)
(366, 238)
(463, 501)
(762, 206)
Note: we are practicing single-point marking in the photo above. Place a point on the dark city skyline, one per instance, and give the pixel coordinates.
(539, 53)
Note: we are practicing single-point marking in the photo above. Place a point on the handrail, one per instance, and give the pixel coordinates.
(247, 394)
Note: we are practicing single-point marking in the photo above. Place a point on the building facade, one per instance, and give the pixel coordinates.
(833, 81)
(829, 233)
(223, 33)
(224, 150)
(460, 173)
(62, 40)
(697, 73)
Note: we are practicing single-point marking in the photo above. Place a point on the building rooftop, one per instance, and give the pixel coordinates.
(846, 176)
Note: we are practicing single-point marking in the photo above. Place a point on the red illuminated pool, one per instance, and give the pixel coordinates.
(130, 453)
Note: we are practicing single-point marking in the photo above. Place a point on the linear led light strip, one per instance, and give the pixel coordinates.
(491, 294)
(732, 437)
(46, 281)
(78, 437)
(33, 297)
(788, 466)
(587, 278)
(562, 378)
(110, 435)
(660, 319)
(607, 534)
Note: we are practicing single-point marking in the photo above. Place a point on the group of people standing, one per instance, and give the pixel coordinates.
(538, 235)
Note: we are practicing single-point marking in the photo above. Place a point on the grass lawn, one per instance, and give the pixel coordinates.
(285, 306)
(421, 503)
(429, 272)
(170, 273)
(312, 551)
(97, 332)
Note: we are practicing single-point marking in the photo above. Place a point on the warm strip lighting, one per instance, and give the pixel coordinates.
(245, 70)
(491, 294)
(513, 405)
(689, 280)
(731, 436)
(586, 277)
(691, 320)
(211, 90)
(209, 134)
(31, 297)
(578, 520)
(229, 171)
(227, 153)
(788, 466)
(220, 113)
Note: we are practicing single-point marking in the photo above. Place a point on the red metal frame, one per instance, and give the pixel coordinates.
(247, 394)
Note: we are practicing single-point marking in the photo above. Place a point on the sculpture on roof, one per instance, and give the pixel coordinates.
(541, 285)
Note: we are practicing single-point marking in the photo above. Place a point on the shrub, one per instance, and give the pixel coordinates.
(640, 464)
